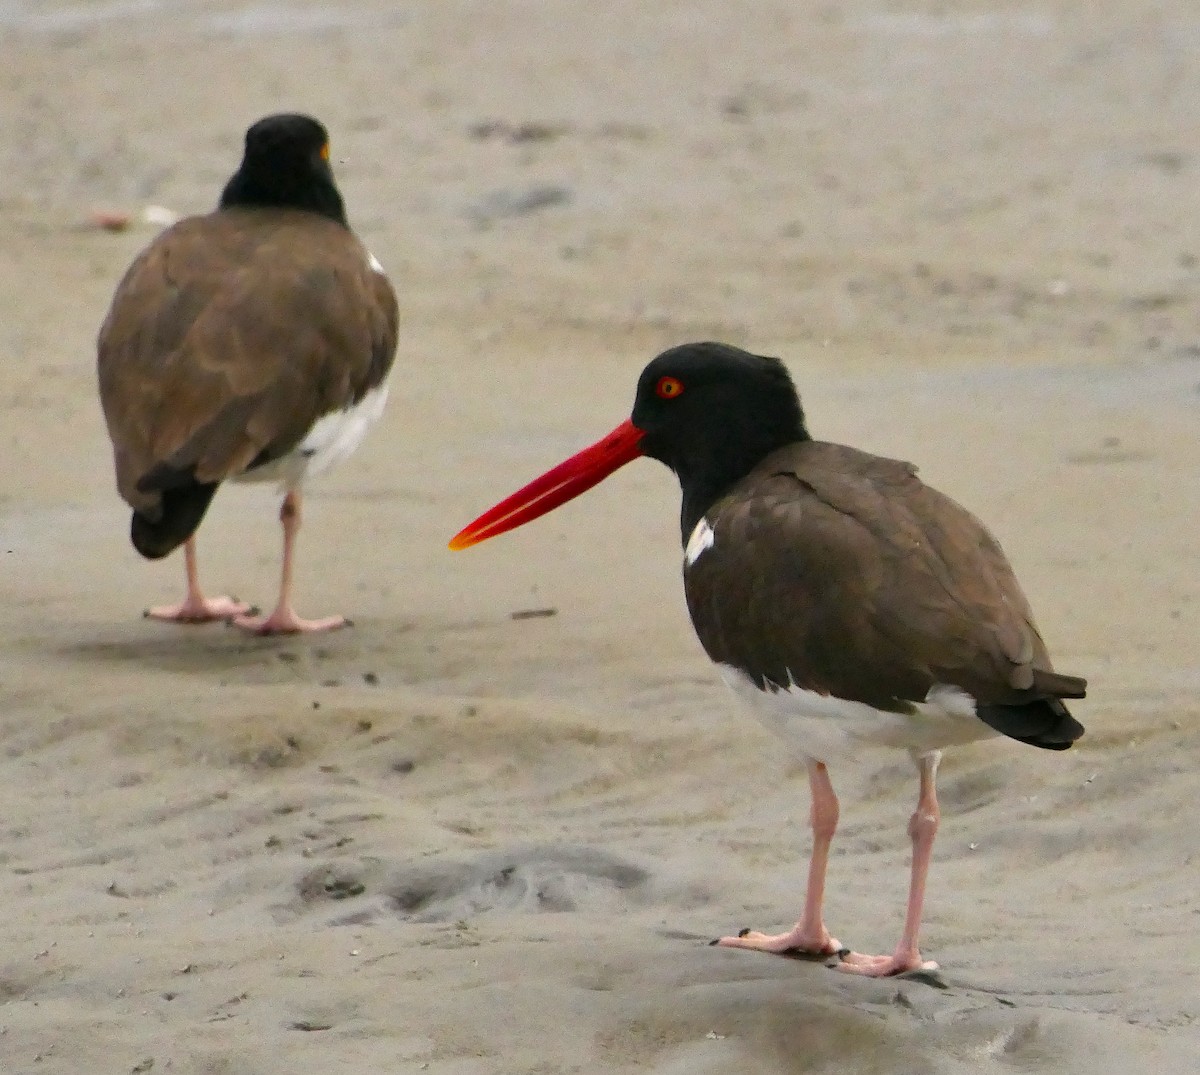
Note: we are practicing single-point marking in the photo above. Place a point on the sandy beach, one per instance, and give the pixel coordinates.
(490, 829)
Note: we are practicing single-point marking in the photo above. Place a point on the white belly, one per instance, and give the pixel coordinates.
(822, 728)
(332, 438)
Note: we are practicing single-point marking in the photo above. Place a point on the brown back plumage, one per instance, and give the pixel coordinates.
(844, 573)
(228, 337)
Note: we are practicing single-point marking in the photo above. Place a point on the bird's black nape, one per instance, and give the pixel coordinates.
(285, 165)
(712, 413)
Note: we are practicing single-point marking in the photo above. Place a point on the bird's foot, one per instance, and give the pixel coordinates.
(796, 943)
(197, 609)
(284, 621)
(884, 966)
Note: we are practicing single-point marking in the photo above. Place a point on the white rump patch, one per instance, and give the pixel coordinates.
(702, 538)
(825, 728)
(332, 438)
(375, 263)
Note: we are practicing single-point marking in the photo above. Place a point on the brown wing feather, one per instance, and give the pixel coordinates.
(230, 335)
(843, 571)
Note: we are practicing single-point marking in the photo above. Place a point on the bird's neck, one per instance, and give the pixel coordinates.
(244, 190)
(706, 476)
(698, 497)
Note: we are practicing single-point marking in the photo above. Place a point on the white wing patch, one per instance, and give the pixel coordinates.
(825, 728)
(702, 538)
(332, 438)
(335, 436)
(375, 263)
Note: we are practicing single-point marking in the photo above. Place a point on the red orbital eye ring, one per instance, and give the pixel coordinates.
(668, 387)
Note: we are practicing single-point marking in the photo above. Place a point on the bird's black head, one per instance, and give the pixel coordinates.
(286, 166)
(712, 412)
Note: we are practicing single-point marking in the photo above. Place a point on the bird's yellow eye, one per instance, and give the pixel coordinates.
(668, 387)
(325, 152)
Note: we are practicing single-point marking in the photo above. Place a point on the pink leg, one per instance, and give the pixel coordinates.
(922, 827)
(195, 607)
(808, 936)
(284, 620)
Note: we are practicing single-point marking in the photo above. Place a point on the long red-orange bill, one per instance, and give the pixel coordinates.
(565, 482)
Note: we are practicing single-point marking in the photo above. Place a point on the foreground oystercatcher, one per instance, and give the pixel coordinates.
(846, 601)
(249, 344)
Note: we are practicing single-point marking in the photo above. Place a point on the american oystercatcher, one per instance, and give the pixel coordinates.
(249, 344)
(846, 601)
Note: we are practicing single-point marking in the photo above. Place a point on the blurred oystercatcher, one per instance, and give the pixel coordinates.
(846, 601)
(249, 344)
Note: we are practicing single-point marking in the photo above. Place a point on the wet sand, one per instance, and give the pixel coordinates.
(457, 840)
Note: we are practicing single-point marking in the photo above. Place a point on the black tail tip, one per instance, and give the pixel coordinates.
(180, 512)
(1044, 723)
(1059, 736)
(153, 540)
